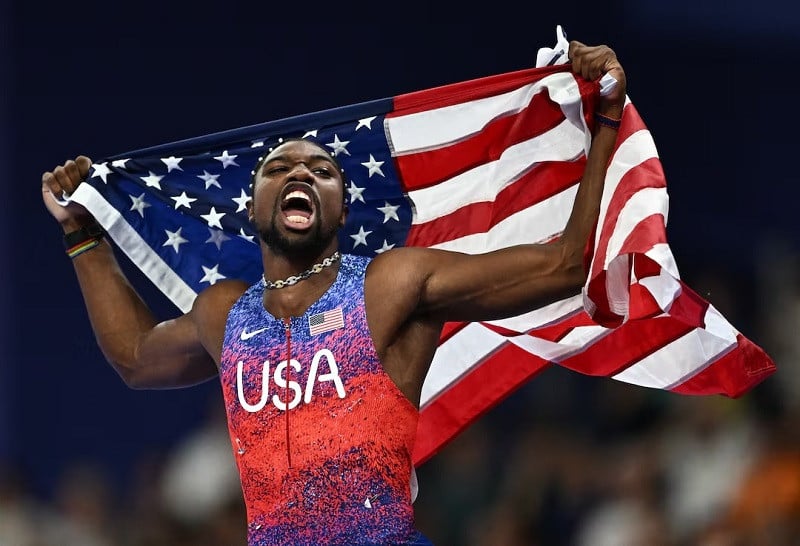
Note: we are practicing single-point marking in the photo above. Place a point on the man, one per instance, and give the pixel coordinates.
(322, 363)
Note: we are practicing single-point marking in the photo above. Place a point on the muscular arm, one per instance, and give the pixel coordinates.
(518, 279)
(145, 353)
(437, 286)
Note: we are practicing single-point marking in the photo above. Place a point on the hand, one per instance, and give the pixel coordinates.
(62, 180)
(592, 62)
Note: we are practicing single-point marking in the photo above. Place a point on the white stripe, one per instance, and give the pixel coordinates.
(442, 126)
(661, 253)
(636, 149)
(457, 356)
(663, 287)
(132, 244)
(484, 182)
(643, 203)
(683, 358)
(576, 342)
(618, 285)
(535, 224)
(543, 316)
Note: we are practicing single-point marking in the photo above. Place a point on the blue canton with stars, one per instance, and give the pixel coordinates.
(187, 199)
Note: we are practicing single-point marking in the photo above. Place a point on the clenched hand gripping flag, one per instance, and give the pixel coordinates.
(470, 167)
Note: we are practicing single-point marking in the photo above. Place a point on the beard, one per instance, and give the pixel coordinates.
(310, 243)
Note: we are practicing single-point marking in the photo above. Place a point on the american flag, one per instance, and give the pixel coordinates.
(326, 321)
(469, 167)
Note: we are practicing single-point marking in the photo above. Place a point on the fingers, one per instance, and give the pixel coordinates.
(65, 178)
(591, 62)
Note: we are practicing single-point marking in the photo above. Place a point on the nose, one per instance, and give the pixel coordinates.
(300, 172)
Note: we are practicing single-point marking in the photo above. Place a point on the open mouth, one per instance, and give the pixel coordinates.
(297, 208)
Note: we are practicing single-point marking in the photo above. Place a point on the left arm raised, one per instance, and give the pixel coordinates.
(450, 286)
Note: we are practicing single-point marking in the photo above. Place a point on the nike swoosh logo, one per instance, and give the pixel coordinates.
(247, 335)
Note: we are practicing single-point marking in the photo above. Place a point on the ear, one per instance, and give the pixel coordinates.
(250, 214)
(343, 216)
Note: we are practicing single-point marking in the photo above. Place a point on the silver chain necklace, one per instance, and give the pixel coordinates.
(294, 279)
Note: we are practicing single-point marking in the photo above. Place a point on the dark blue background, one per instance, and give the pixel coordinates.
(711, 80)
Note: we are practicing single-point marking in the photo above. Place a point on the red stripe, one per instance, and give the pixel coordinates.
(554, 331)
(647, 233)
(689, 307)
(626, 345)
(490, 382)
(733, 374)
(648, 174)
(455, 93)
(450, 329)
(537, 185)
(427, 168)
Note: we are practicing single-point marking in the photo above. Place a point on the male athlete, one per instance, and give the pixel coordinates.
(322, 362)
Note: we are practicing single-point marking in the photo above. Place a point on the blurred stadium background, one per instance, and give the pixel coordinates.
(567, 459)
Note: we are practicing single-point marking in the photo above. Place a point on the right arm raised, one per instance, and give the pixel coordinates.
(144, 352)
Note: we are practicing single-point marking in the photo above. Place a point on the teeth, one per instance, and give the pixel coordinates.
(298, 194)
(297, 219)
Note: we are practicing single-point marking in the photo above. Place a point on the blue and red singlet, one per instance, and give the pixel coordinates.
(321, 434)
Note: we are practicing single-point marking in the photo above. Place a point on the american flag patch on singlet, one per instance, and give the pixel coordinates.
(326, 321)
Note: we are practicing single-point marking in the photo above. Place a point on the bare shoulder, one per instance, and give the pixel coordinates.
(399, 265)
(394, 283)
(216, 301)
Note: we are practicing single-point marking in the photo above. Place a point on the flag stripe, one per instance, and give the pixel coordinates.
(486, 180)
(135, 247)
(494, 378)
(479, 217)
(428, 168)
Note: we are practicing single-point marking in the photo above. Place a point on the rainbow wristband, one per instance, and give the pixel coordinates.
(606, 121)
(80, 248)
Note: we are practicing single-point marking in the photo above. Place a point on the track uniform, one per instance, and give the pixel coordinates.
(323, 443)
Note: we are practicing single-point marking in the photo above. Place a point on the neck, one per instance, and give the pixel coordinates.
(279, 264)
(293, 295)
(291, 280)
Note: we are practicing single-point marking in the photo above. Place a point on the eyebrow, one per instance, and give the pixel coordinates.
(315, 157)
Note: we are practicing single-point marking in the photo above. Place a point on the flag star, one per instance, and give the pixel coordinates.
(242, 201)
(355, 193)
(366, 122)
(386, 246)
(257, 144)
(101, 170)
(120, 163)
(374, 166)
(139, 204)
(217, 237)
(183, 200)
(245, 236)
(213, 218)
(172, 162)
(212, 274)
(360, 238)
(338, 146)
(209, 179)
(389, 212)
(226, 159)
(175, 239)
(312, 133)
(153, 180)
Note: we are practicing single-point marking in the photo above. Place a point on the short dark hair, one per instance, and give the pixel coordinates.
(281, 142)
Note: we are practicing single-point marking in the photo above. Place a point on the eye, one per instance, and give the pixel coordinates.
(277, 169)
(323, 171)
